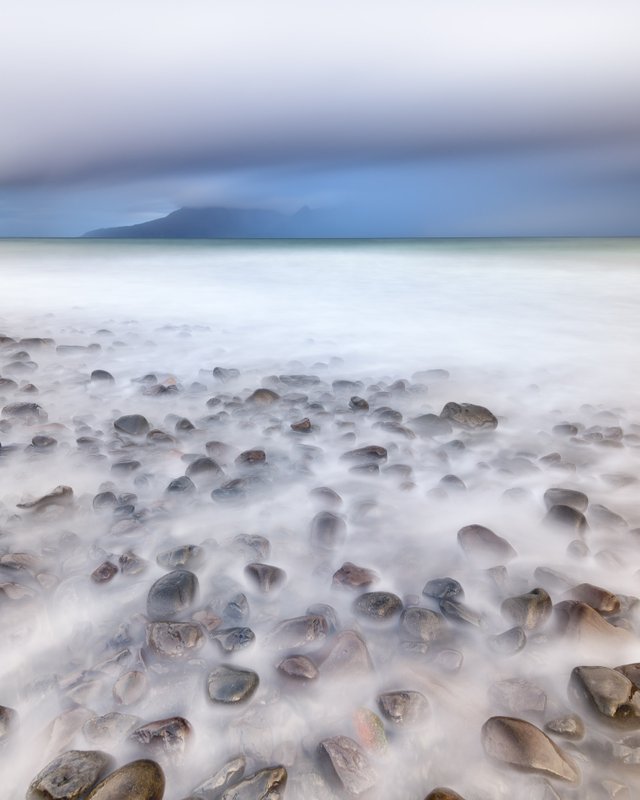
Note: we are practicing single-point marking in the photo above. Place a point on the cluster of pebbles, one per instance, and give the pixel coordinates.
(252, 584)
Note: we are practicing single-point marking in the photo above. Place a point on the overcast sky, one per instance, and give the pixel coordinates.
(458, 117)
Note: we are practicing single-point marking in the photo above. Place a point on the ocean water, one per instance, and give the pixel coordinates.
(542, 333)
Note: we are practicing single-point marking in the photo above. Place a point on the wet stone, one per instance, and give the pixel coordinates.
(174, 639)
(101, 376)
(252, 457)
(190, 556)
(104, 573)
(459, 612)
(61, 496)
(43, 443)
(104, 500)
(253, 546)
(228, 775)
(172, 594)
(522, 745)
(266, 784)
(567, 518)
(130, 687)
(352, 576)
(132, 424)
(608, 692)
(422, 624)
(167, 735)
(443, 588)
(358, 403)
(442, 793)
(349, 763)
(232, 639)
(181, 486)
(227, 684)
(566, 497)
(328, 613)
(27, 412)
(602, 600)
(203, 469)
(370, 454)
(131, 564)
(299, 668)
(509, 642)
(431, 425)
(403, 708)
(263, 397)
(265, 576)
(378, 605)
(530, 611)
(485, 546)
(69, 776)
(327, 496)
(569, 726)
(299, 632)
(328, 531)
(469, 416)
(138, 780)
(8, 723)
(348, 656)
(302, 426)
(109, 729)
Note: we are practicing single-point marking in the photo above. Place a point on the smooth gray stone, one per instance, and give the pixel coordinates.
(132, 424)
(348, 656)
(138, 780)
(226, 684)
(266, 784)
(567, 518)
(174, 639)
(328, 531)
(530, 611)
(349, 763)
(566, 497)
(166, 735)
(403, 708)
(265, 576)
(232, 639)
(188, 556)
(522, 745)
(469, 416)
(228, 775)
(441, 588)
(608, 692)
(172, 594)
(70, 775)
(509, 642)
(485, 546)
(378, 605)
(300, 668)
(299, 632)
(422, 623)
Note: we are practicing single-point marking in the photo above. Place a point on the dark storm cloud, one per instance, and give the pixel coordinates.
(94, 90)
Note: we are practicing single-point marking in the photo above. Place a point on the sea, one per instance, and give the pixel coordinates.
(542, 334)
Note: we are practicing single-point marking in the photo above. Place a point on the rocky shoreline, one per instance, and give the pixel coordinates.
(245, 583)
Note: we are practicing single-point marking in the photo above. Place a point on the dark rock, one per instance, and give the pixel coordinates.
(518, 695)
(132, 424)
(43, 443)
(60, 496)
(469, 416)
(299, 668)
(608, 692)
(631, 671)
(101, 376)
(566, 497)
(253, 546)
(422, 624)
(565, 429)
(27, 412)
(485, 546)
(174, 639)
(443, 588)
(570, 519)
(263, 397)
(431, 425)
(138, 780)
(378, 605)
(452, 482)
(459, 612)
(328, 531)
(358, 403)
(226, 374)
(8, 723)
(237, 608)
(353, 576)
(327, 496)
(403, 708)
(104, 573)
(570, 726)
(299, 632)
(442, 793)
(172, 594)
(232, 639)
(370, 454)
(227, 684)
(204, 469)
(603, 601)
(228, 775)
(583, 622)
(182, 485)
(265, 576)
(348, 656)
(328, 613)
(509, 642)
(164, 735)
(302, 426)
(124, 467)
(522, 745)
(530, 611)
(160, 437)
(349, 763)
(69, 776)
(105, 500)
(266, 784)
(183, 425)
(252, 457)
(187, 555)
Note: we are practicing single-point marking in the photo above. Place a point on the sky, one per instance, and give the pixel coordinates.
(427, 117)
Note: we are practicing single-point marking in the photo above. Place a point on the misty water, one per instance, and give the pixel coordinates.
(542, 334)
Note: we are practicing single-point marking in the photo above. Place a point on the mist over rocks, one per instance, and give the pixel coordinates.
(250, 617)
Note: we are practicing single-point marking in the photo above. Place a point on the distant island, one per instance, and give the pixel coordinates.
(240, 223)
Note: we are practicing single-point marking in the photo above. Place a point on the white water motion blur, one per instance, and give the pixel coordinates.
(541, 333)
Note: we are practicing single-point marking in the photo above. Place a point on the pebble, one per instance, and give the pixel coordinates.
(164, 735)
(469, 416)
(228, 775)
(130, 687)
(138, 780)
(378, 605)
(328, 531)
(349, 764)
(266, 577)
(404, 708)
(442, 793)
(484, 546)
(608, 692)
(530, 611)
(69, 776)
(567, 518)
(190, 556)
(266, 784)
(298, 667)
(520, 744)
(172, 594)
(227, 684)
(422, 623)
(132, 425)
(353, 577)
(566, 497)
(174, 639)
